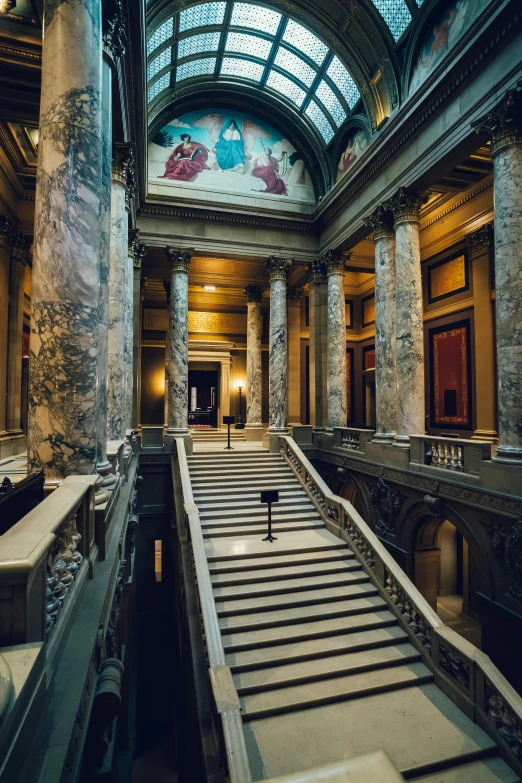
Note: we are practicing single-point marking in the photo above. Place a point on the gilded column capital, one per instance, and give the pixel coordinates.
(254, 293)
(503, 124)
(124, 168)
(114, 35)
(134, 241)
(7, 232)
(278, 267)
(335, 262)
(479, 241)
(406, 205)
(380, 222)
(316, 271)
(179, 259)
(293, 296)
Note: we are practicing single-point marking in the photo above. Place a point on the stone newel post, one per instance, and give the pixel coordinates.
(177, 342)
(278, 359)
(337, 393)
(254, 421)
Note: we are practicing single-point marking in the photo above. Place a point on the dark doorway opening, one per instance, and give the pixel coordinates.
(203, 398)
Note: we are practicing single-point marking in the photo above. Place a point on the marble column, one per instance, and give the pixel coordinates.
(278, 356)
(405, 206)
(7, 239)
(381, 223)
(503, 127)
(479, 249)
(19, 258)
(254, 421)
(318, 354)
(122, 159)
(137, 297)
(336, 335)
(177, 359)
(134, 256)
(294, 296)
(63, 376)
(166, 285)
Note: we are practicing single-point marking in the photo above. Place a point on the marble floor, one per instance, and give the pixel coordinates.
(449, 609)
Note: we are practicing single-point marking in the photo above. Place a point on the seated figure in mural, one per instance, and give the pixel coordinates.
(266, 167)
(188, 159)
(230, 147)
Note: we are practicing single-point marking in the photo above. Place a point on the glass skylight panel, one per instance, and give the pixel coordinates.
(159, 86)
(297, 67)
(319, 120)
(305, 41)
(248, 44)
(197, 44)
(159, 62)
(286, 87)
(201, 16)
(343, 81)
(246, 69)
(396, 14)
(331, 102)
(255, 16)
(161, 35)
(203, 67)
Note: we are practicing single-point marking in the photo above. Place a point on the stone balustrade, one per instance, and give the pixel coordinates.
(453, 454)
(352, 438)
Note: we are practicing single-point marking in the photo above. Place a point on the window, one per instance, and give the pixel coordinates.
(286, 87)
(396, 15)
(343, 81)
(248, 44)
(161, 35)
(294, 65)
(330, 101)
(202, 16)
(319, 120)
(162, 84)
(196, 44)
(307, 43)
(196, 68)
(159, 62)
(256, 17)
(246, 69)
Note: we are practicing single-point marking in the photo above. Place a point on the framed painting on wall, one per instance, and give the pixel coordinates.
(349, 313)
(450, 376)
(368, 310)
(448, 277)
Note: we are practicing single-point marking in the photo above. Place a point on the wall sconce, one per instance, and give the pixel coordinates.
(6, 6)
(239, 387)
(209, 287)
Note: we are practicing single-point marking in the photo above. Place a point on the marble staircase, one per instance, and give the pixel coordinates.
(322, 667)
(214, 435)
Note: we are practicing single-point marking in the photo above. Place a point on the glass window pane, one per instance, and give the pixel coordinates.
(159, 62)
(196, 44)
(327, 96)
(319, 120)
(201, 16)
(248, 15)
(246, 69)
(286, 87)
(396, 15)
(248, 44)
(159, 86)
(195, 68)
(290, 62)
(305, 41)
(343, 81)
(161, 35)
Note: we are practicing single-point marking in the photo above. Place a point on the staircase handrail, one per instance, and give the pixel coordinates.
(465, 673)
(222, 684)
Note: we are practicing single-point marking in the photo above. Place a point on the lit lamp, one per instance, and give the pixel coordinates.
(239, 386)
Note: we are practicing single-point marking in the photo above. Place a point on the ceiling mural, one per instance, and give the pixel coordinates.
(449, 28)
(228, 152)
(355, 145)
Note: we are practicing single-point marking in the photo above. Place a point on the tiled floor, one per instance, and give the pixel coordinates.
(449, 609)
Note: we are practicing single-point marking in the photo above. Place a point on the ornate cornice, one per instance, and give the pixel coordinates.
(179, 259)
(278, 267)
(479, 241)
(249, 221)
(380, 222)
(406, 205)
(294, 295)
(503, 125)
(114, 35)
(254, 293)
(335, 262)
(316, 271)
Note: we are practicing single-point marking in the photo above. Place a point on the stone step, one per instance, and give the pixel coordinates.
(281, 562)
(243, 472)
(229, 520)
(260, 513)
(291, 544)
(323, 647)
(491, 770)
(289, 617)
(236, 605)
(235, 484)
(240, 458)
(302, 632)
(416, 726)
(299, 673)
(282, 526)
(350, 575)
(255, 506)
(205, 499)
(351, 686)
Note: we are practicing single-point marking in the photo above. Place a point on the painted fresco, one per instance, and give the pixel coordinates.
(230, 152)
(450, 26)
(356, 144)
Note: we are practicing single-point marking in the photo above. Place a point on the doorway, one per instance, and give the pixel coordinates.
(203, 398)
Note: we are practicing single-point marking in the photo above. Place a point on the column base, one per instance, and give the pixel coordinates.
(254, 432)
(168, 440)
(489, 435)
(509, 455)
(385, 437)
(401, 441)
(271, 439)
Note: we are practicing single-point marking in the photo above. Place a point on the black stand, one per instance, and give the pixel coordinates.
(270, 537)
(228, 420)
(269, 496)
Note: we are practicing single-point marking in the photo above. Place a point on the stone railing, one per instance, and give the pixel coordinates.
(43, 561)
(476, 685)
(226, 700)
(454, 454)
(352, 438)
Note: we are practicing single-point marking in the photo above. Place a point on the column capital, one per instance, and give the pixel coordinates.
(278, 267)
(380, 222)
(179, 259)
(406, 205)
(114, 35)
(335, 262)
(479, 241)
(254, 293)
(124, 168)
(316, 271)
(293, 296)
(136, 248)
(503, 124)
(7, 232)
(21, 248)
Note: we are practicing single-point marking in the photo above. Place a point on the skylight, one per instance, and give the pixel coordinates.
(256, 17)
(196, 44)
(196, 68)
(343, 81)
(159, 62)
(246, 69)
(248, 44)
(286, 87)
(162, 83)
(305, 41)
(396, 14)
(331, 103)
(319, 120)
(202, 16)
(294, 65)
(161, 35)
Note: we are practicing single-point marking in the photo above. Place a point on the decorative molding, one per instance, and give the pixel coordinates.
(409, 612)
(278, 267)
(406, 205)
(503, 125)
(316, 271)
(114, 34)
(254, 293)
(335, 262)
(455, 667)
(507, 544)
(387, 504)
(179, 259)
(504, 719)
(124, 168)
(249, 221)
(136, 249)
(479, 241)
(484, 185)
(380, 222)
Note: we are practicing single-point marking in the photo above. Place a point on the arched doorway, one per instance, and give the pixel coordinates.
(352, 493)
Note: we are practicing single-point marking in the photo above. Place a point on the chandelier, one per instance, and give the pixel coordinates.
(6, 6)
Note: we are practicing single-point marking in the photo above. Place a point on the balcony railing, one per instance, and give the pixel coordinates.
(453, 454)
(352, 438)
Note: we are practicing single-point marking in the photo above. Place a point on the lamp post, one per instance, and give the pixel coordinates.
(240, 425)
